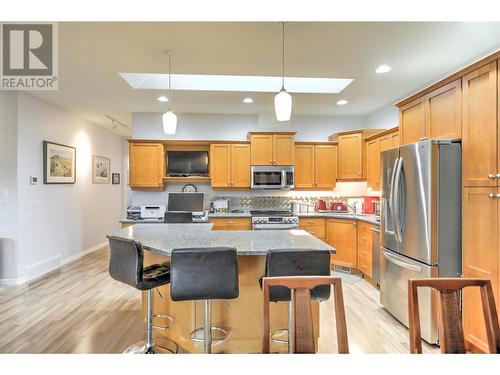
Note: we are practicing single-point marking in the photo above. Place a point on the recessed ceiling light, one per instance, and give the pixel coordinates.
(162, 99)
(383, 69)
(248, 100)
(342, 102)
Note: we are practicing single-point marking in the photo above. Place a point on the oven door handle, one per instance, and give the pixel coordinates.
(274, 226)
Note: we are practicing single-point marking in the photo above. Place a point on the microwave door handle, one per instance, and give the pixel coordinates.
(401, 263)
(283, 179)
(396, 196)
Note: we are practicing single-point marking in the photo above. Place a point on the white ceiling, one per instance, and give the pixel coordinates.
(92, 54)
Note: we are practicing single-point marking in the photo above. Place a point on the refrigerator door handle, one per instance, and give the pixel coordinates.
(401, 263)
(396, 208)
(391, 197)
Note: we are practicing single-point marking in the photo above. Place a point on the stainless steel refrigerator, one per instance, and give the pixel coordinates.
(420, 225)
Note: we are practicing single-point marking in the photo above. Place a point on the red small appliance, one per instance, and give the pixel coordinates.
(369, 205)
(338, 206)
(320, 205)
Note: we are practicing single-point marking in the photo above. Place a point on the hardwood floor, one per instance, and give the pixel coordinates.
(80, 309)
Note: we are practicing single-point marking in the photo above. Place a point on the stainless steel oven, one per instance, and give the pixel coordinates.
(272, 177)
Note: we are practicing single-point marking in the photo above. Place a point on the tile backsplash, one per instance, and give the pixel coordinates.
(255, 199)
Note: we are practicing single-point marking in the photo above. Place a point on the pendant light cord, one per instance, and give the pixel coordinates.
(283, 59)
(169, 72)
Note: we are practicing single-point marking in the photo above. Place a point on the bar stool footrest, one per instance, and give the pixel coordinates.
(218, 334)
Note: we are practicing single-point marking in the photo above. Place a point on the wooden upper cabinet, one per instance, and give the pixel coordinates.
(261, 149)
(386, 142)
(240, 165)
(350, 156)
(220, 165)
(304, 167)
(147, 165)
(341, 234)
(325, 166)
(373, 163)
(480, 256)
(230, 165)
(283, 149)
(315, 166)
(395, 139)
(444, 111)
(412, 122)
(480, 128)
(272, 148)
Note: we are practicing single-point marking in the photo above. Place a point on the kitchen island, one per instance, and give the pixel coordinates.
(241, 316)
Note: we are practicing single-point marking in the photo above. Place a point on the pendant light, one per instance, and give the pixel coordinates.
(169, 118)
(283, 100)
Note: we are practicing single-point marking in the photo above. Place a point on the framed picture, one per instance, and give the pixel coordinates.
(100, 170)
(115, 178)
(59, 163)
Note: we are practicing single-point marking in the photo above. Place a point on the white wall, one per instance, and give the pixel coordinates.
(57, 222)
(236, 127)
(8, 185)
(383, 118)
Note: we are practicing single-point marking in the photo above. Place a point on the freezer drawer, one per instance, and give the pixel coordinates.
(395, 271)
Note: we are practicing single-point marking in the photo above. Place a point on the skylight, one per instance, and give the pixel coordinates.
(200, 82)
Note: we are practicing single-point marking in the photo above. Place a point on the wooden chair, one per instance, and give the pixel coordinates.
(302, 333)
(451, 335)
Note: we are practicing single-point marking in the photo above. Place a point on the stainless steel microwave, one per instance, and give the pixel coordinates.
(272, 177)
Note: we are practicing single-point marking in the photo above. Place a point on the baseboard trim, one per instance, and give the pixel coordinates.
(83, 253)
(39, 271)
(12, 282)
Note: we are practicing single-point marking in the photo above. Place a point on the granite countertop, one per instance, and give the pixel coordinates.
(368, 218)
(163, 238)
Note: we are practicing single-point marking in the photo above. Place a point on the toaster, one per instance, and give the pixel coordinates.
(338, 206)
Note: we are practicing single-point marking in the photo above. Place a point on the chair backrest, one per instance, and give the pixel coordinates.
(204, 273)
(126, 261)
(178, 217)
(298, 262)
(451, 335)
(302, 332)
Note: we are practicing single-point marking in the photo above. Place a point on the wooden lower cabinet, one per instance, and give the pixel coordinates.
(315, 226)
(341, 234)
(480, 256)
(225, 223)
(364, 248)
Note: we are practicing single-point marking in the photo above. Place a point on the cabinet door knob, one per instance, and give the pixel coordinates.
(493, 196)
(497, 176)
(492, 176)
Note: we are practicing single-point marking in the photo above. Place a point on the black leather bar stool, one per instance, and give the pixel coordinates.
(126, 264)
(296, 262)
(172, 217)
(204, 274)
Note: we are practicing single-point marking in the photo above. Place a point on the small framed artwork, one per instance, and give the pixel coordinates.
(59, 163)
(100, 170)
(115, 178)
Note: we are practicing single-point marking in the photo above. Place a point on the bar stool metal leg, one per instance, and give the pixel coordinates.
(208, 334)
(149, 347)
(207, 327)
